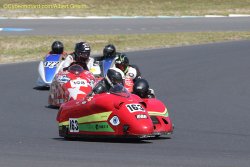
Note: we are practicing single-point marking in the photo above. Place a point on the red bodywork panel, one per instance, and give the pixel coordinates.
(70, 86)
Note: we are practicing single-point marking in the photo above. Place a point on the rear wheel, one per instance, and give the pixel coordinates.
(63, 131)
(50, 100)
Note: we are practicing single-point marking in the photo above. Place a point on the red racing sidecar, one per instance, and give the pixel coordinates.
(74, 83)
(117, 113)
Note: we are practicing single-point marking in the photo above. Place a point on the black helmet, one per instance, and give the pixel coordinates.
(114, 76)
(82, 51)
(109, 51)
(141, 88)
(57, 47)
(122, 62)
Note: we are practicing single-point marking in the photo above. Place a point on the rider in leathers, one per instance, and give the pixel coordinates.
(130, 71)
(109, 51)
(81, 56)
(113, 76)
(141, 89)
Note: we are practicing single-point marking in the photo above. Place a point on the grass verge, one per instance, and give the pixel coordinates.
(27, 48)
(15, 8)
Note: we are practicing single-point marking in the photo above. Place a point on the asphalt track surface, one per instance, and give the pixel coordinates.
(205, 87)
(123, 26)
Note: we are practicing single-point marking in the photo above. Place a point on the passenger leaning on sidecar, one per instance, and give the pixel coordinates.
(81, 56)
(121, 62)
(133, 72)
(114, 76)
(141, 89)
(130, 71)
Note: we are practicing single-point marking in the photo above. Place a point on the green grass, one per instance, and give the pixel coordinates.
(128, 7)
(26, 48)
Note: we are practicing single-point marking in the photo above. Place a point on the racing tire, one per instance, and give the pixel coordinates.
(63, 132)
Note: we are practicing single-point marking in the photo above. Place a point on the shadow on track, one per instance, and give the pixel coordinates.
(52, 107)
(160, 138)
(41, 88)
(106, 140)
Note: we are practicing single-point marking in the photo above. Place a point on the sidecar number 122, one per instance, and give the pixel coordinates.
(135, 107)
(51, 64)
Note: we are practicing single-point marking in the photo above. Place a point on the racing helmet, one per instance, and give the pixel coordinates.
(57, 47)
(114, 76)
(122, 62)
(141, 88)
(82, 52)
(109, 50)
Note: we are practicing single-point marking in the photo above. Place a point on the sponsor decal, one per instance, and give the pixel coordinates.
(100, 126)
(141, 116)
(78, 83)
(63, 79)
(114, 121)
(51, 64)
(135, 108)
(96, 127)
(73, 125)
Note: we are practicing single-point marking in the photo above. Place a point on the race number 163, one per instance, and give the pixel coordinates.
(135, 107)
(73, 125)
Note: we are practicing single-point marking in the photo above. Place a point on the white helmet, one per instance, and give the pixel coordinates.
(114, 76)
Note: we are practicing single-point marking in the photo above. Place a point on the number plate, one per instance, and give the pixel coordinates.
(73, 125)
(51, 64)
(135, 108)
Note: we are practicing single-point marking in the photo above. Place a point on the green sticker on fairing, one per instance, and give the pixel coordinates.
(90, 118)
(95, 117)
(154, 113)
(96, 127)
(65, 123)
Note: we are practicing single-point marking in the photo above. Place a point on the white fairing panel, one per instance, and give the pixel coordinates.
(41, 78)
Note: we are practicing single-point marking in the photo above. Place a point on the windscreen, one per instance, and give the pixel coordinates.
(119, 90)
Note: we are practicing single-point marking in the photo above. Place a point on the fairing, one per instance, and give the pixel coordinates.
(48, 68)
